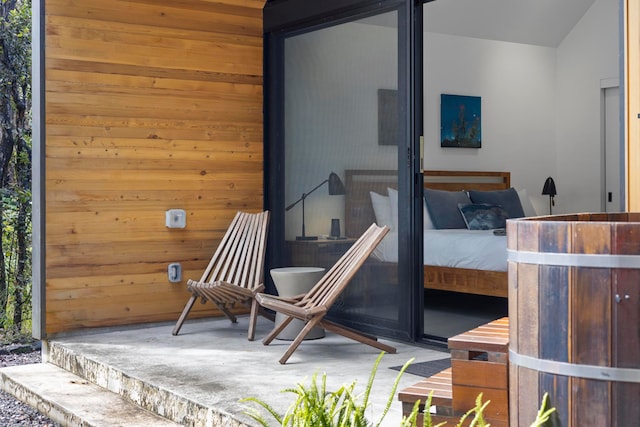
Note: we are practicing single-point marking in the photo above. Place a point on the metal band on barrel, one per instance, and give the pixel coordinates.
(575, 260)
(604, 373)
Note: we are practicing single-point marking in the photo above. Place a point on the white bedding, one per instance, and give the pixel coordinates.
(460, 248)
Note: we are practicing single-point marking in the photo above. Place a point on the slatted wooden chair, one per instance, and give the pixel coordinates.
(312, 306)
(236, 270)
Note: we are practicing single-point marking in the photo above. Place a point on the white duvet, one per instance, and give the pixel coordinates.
(460, 248)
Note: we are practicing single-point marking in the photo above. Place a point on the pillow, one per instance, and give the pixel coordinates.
(381, 209)
(443, 207)
(427, 224)
(483, 216)
(525, 201)
(393, 206)
(507, 199)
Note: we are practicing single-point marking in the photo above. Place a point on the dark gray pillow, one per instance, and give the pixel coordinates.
(443, 207)
(482, 216)
(507, 199)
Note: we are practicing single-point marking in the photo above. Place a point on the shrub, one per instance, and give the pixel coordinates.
(314, 406)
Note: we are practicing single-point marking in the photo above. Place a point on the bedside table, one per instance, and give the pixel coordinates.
(317, 253)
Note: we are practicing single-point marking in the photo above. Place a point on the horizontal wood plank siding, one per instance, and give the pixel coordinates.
(149, 105)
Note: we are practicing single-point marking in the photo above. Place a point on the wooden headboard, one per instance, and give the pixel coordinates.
(359, 182)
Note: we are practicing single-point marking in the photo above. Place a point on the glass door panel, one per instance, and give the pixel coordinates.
(344, 124)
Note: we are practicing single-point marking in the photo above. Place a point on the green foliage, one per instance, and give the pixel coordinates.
(316, 407)
(15, 165)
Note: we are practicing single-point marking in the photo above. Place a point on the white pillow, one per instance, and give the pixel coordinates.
(525, 201)
(381, 209)
(386, 210)
(393, 206)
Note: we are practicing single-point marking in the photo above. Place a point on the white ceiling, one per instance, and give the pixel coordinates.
(537, 22)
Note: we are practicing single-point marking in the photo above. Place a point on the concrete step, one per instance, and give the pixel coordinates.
(141, 389)
(73, 401)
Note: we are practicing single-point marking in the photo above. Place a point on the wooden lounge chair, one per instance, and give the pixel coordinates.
(236, 270)
(312, 306)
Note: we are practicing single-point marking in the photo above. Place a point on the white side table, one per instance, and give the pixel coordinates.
(291, 281)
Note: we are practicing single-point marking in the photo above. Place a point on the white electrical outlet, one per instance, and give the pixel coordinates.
(176, 218)
(174, 272)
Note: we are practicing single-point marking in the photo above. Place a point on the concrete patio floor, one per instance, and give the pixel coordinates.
(213, 364)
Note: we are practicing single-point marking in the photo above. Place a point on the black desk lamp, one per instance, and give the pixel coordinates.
(549, 189)
(336, 187)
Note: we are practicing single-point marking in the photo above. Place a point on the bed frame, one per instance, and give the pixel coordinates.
(359, 215)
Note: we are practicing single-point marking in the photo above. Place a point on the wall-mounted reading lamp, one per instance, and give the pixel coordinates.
(336, 187)
(549, 189)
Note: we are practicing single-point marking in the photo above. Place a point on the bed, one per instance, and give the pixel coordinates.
(457, 275)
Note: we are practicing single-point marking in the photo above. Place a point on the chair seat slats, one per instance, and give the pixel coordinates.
(236, 270)
(313, 306)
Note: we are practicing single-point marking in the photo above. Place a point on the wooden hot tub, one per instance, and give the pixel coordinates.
(574, 314)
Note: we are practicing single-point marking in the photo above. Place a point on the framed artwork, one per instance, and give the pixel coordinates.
(387, 117)
(460, 121)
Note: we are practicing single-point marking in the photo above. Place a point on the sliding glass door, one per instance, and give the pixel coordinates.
(342, 144)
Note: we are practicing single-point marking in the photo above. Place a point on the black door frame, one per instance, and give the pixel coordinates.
(284, 18)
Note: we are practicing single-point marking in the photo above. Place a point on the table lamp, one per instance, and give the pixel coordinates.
(336, 187)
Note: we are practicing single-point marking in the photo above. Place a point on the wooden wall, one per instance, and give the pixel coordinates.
(149, 105)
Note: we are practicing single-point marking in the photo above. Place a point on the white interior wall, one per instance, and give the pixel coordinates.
(588, 55)
(517, 85)
(540, 109)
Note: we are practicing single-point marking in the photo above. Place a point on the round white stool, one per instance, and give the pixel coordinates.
(291, 281)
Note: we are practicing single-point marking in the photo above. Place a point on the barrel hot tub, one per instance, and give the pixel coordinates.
(574, 318)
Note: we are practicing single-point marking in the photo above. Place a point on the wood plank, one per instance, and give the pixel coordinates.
(528, 310)
(150, 150)
(479, 374)
(626, 315)
(247, 23)
(528, 391)
(105, 68)
(70, 200)
(110, 127)
(165, 107)
(439, 384)
(192, 170)
(514, 394)
(559, 396)
(238, 59)
(624, 403)
(101, 316)
(464, 398)
(57, 23)
(480, 282)
(152, 271)
(553, 340)
(591, 320)
(591, 404)
(492, 337)
(70, 80)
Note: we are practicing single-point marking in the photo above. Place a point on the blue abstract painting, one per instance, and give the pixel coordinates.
(460, 121)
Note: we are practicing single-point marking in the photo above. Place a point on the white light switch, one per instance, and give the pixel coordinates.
(176, 218)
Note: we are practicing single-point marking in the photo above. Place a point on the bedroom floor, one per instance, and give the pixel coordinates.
(447, 314)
